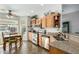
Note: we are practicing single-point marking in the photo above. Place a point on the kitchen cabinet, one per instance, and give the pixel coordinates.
(53, 20)
(50, 21)
(57, 20)
(44, 22)
(33, 21)
(45, 42)
(38, 22)
(40, 39)
(30, 36)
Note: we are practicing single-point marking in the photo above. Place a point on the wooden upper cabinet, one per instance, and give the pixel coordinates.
(50, 21)
(53, 20)
(57, 20)
(33, 21)
(44, 22)
(38, 21)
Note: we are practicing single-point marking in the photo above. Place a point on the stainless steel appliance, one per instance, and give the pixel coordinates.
(35, 38)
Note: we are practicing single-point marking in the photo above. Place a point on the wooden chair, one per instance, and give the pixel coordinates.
(9, 40)
(19, 39)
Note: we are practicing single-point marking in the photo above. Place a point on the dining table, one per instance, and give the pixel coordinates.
(6, 39)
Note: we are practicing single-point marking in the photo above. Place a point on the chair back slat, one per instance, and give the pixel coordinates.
(3, 36)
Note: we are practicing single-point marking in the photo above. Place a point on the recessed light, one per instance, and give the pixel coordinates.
(27, 14)
(42, 4)
(32, 11)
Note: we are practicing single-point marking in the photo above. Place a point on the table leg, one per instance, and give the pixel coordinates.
(10, 46)
(4, 46)
(20, 42)
(16, 45)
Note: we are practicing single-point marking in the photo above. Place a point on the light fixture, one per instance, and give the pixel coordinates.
(42, 4)
(32, 11)
(10, 14)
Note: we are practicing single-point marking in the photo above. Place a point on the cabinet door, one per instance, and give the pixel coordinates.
(33, 21)
(37, 22)
(57, 20)
(30, 36)
(40, 39)
(44, 22)
(50, 21)
(45, 42)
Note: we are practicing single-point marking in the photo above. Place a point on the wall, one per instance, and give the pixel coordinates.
(73, 18)
(49, 8)
(23, 27)
(54, 8)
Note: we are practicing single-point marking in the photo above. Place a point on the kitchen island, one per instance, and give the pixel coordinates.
(66, 46)
(62, 47)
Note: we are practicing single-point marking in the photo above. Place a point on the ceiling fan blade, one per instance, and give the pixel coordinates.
(3, 11)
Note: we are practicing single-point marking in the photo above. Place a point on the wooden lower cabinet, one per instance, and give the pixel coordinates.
(30, 36)
(40, 39)
(45, 42)
(54, 50)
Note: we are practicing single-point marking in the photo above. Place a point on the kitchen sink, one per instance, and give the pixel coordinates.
(59, 38)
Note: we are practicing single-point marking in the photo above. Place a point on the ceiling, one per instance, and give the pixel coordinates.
(39, 9)
(69, 8)
(30, 9)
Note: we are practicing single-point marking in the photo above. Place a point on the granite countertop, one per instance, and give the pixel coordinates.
(67, 46)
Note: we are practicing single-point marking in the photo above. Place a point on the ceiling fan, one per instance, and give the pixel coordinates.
(9, 13)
